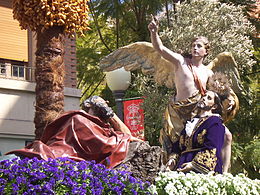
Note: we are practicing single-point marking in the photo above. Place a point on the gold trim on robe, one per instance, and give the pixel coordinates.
(205, 161)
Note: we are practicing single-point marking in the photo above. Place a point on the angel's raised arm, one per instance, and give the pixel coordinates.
(175, 58)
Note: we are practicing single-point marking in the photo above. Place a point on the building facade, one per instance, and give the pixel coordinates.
(17, 82)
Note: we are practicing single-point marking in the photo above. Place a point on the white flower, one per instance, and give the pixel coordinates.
(152, 190)
(193, 183)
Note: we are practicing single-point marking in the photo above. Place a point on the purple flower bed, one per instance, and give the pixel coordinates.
(65, 176)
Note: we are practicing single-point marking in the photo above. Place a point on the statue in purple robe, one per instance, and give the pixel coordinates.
(199, 147)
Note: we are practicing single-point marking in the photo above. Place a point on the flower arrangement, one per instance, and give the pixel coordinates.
(193, 183)
(65, 176)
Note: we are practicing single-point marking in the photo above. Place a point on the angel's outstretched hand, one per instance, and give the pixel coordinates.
(153, 26)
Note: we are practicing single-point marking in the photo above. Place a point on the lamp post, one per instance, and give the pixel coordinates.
(118, 81)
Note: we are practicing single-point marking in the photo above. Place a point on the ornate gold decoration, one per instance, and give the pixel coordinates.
(188, 142)
(201, 135)
(207, 158)
(181, 142)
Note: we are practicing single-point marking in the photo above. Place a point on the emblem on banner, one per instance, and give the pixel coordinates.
(134, 117)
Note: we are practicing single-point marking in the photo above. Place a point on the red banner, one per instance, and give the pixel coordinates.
(134, 117)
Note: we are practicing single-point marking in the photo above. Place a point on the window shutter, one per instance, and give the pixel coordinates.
(13, 40)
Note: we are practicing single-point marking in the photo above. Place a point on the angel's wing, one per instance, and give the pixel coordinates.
(140, 55)
(225, 63)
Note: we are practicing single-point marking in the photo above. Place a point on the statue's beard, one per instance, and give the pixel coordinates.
(203, 107)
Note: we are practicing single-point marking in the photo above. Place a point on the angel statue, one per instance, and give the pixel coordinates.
(187, 74)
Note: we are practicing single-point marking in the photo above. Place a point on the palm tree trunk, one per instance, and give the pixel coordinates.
(49, 76)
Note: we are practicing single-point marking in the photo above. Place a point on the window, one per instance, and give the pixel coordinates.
(18, 71)
(2, 69)
(12, 69)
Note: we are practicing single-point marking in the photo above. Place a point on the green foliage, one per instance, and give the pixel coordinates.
(156, 99)
(246, 158)
(246, 124)
(131, 17)
(245, 129)
(252, 154)
(89, 51)
(192, 183)
(239, 2)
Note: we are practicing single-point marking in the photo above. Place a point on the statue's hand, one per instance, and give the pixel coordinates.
(136, 139)
(170, 164)
(153, 26)
(186, 167)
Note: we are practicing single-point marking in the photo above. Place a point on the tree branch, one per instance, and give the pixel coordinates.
(91, 8)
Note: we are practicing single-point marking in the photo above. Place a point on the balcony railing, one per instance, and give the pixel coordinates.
(17, 72)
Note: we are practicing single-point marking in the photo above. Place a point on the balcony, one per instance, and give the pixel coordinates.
(17, 72)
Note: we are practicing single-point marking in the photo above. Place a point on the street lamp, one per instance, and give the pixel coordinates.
(118, 81)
